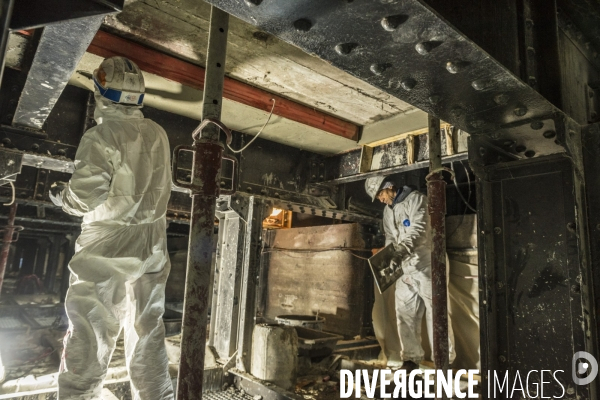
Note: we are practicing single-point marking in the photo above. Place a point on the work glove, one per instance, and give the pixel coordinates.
(401, 253)
(56, 192)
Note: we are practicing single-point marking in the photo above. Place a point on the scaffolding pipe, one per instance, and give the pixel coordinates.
(205, 188)
(6, 241)
(436, 193)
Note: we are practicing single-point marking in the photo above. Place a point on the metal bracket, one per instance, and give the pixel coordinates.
(10, 165)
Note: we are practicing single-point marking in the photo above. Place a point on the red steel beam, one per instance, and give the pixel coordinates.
(108, 45)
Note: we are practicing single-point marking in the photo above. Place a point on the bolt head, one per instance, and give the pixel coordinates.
(520, 111)
(452, 67)
(345, 48)
(501, 99)
(303, 25)
(423, 48)
(435, 99)
(549, 134)
(480, 84)
(537, 125)
(408, 84)
(392, 22)
(377, 69)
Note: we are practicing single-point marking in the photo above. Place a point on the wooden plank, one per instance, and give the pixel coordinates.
(108, 45)
(400, 136)
(366, 159)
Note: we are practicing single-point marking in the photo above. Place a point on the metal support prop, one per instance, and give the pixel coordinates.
(6, 241)
(436, 193)
(206, 172)
(6, 9)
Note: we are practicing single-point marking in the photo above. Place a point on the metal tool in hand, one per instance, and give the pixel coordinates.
(386, 267)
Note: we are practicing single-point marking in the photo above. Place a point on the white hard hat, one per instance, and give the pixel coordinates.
(373, 186)
(120, 80)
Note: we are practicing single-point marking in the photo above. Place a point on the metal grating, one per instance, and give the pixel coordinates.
(49, 321)
(12, 323)
(230, 394)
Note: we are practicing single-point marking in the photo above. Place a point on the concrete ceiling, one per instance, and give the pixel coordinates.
(180, 28)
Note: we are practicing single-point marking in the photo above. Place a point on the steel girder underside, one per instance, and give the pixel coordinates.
(406, 49)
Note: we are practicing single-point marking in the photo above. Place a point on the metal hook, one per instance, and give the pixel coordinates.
(197, 134)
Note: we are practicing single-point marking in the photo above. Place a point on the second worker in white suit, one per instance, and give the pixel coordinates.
(406, 225)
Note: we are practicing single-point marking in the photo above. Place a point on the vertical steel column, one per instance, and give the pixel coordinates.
(6, 9)
(436, 193)
(206, 172)
(6, 241)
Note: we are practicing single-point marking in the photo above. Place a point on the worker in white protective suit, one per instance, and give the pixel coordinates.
(120, 186)
(406, 225)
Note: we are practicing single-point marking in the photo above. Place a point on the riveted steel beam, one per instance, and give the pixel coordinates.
(6, 10)
(29, 14)
(408, 50)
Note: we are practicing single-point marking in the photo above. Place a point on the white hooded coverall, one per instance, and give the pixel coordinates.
(407, 224)
(121, 186)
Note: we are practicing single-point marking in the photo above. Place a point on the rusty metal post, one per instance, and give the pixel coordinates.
(206, 172)
(436, 193)
(6, 241)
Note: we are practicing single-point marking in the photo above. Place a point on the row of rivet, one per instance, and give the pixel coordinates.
(390, 24)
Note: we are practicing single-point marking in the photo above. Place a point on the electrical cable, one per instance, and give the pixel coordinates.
(468, 180)
(13, 194)
(348, 249)
(458, 190)
(255, 136)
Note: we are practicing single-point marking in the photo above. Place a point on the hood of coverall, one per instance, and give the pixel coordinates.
(107, 110)
(373, 185)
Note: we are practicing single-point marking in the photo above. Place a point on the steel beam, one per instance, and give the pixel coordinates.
(6, 241)
(58, 53)
(29, 14)
(191, 75)
(206, 172)
(287, 198)
(226, 286)
(436, 193)
(250, 272)
(6, 9)
(408, 50)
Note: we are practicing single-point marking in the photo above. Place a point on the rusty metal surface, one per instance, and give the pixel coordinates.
(205, 179)
(6, 241)
(533, 285)
(307, 274)
(436, 194)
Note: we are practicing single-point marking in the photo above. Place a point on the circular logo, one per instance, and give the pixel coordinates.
(585, 368)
